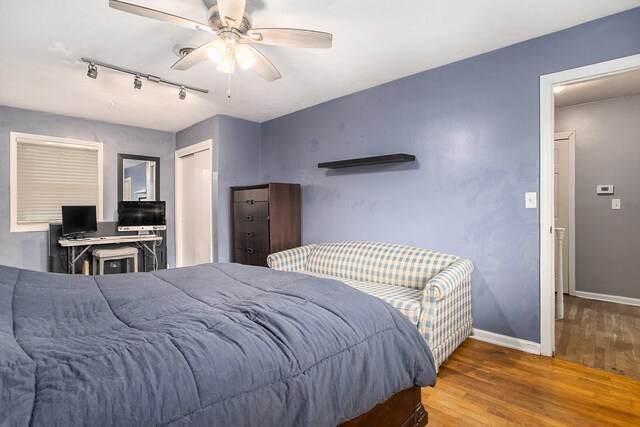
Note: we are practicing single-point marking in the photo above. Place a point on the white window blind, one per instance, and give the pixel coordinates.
(50, 173)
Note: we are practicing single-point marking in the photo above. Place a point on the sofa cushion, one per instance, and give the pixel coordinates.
(406, 300)
(378, 263)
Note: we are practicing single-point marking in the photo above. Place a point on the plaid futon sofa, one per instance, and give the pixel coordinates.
(432, 289)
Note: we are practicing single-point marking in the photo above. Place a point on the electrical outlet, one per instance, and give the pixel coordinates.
(615, 203)
(530, 200)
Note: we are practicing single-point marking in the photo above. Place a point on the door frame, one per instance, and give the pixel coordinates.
(571, 137)
(547, 138)
(191, 149)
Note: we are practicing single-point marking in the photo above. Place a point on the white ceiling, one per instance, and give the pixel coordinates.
(614, 86)
(375, 42)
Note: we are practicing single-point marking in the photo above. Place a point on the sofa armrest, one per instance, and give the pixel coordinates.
(447, 280)
(290, 260)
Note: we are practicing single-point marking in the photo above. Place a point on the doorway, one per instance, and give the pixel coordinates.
(195, 194)
(549, 189)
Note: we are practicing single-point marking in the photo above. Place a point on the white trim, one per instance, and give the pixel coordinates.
(505, 341)
(547, 131)
(609, 298)
(571, 137)
(195, 148)
(192, 149)
(13, 177)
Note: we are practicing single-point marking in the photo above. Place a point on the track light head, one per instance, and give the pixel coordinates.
(92, 72)
(182, 93)
(137, 82)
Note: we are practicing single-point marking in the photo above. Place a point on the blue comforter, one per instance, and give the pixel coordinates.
(216, 344)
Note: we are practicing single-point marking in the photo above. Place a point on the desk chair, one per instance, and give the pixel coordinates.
(102, 255)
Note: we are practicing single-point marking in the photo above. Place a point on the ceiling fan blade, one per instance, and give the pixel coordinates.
(263, 66)
(192, 58)
(291, 37)
(232, 11)
(156, 14)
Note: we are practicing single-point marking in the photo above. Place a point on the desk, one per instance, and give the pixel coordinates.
(140, 241)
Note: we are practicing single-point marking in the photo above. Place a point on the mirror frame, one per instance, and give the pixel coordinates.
(122, 157)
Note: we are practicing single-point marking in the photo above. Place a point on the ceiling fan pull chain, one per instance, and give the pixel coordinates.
(229, 85)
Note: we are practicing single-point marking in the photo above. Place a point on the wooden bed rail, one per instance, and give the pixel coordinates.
(403, 409)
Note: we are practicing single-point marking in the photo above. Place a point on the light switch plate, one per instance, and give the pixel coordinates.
(531, 200)
(615, 203)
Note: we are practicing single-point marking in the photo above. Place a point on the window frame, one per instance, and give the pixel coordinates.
(13, 178)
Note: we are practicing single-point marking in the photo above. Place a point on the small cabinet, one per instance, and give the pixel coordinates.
(266, 218)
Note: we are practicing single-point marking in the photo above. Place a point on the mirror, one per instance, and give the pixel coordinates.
(138, 178)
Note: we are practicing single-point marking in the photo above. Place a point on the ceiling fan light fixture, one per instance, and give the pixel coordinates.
(216, 50)
(227, 65)
(245, 57)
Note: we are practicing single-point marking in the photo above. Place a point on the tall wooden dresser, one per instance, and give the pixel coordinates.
(266, 218)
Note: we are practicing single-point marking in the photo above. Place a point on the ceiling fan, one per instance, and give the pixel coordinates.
(231, 24)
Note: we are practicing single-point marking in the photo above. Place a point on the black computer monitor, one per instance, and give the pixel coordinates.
(141, 216)
(78, 220)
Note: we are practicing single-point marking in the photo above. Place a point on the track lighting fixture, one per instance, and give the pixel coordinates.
(138, 76)
(92, 71)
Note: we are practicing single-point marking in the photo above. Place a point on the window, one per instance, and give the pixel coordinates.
(47, 173)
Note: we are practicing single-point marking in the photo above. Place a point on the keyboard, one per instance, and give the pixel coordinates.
(134, 236)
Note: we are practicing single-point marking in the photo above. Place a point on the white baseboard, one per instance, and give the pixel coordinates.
(609, 298)
(505, 341)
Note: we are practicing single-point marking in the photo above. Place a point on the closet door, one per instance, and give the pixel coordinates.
(193, 207)
(188, 229)
(201, 213)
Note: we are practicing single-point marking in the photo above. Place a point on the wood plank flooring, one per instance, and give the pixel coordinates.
(601, 335)
(483, 384)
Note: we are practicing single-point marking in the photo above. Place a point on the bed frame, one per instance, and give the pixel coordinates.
(403, 409)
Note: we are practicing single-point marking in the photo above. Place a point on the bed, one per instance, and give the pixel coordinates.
(215, 344)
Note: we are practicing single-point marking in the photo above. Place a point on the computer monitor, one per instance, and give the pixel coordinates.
(78, 220)
(141, 216)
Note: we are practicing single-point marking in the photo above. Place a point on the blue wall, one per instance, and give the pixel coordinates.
(29, 250)
(236, 158)
(474, 127)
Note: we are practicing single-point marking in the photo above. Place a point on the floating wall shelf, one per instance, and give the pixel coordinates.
(364, 161)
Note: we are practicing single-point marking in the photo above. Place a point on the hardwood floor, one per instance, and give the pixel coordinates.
(483, 384)
(601, 335)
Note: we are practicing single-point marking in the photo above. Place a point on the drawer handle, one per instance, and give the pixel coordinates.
(249, 217)
(250, 201)
(249, 250)
(250, 234)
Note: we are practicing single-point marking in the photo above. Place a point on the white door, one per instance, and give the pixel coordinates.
(193, 207)
(126, 191)
(151, 181)
(561, 203)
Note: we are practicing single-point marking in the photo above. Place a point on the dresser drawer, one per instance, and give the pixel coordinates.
(251, 196)
(248, 258)
(256, 242)
(256, 210)
(253, 225)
